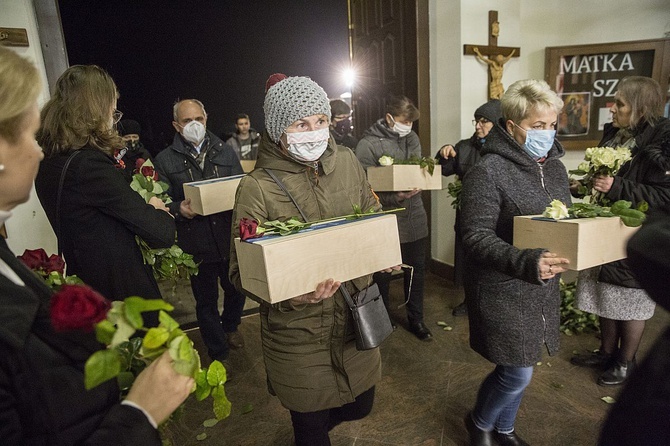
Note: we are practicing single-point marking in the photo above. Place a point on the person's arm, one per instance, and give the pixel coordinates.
(655, 191)
(107, 191)
(180, 209)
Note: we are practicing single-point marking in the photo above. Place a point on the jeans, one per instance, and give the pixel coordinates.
(311, 428)
(499, 398)
(413, 254)
(215, 325)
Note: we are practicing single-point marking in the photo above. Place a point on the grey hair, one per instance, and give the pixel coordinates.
(525, 96)
(175, 108)
(645, 97)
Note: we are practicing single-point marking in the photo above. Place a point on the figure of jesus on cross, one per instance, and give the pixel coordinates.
(497, 56)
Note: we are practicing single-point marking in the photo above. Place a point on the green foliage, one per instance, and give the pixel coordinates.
(423, 162)
(454, 188)
(573, 320)
(168, 263)
(621, 208)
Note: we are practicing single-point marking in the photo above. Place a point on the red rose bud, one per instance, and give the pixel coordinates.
(77, 307)
(147, 171)
(138, 164)
(54, 263)
(34, 258)
(248, 228)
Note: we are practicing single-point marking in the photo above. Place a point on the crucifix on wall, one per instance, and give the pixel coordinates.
(494, 56)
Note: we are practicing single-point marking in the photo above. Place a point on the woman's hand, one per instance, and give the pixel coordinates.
(401, 196)
(602, 183)
(159, 389)
(447, 151)
(550, 265)
(185, 209)
(391, 269)
(574, 187)
(324, 290)
(158, 204)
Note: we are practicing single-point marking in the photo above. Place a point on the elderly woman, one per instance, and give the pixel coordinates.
(309, 346)
(513, 294)
(612, 291)
(93, 212)
(41, 372)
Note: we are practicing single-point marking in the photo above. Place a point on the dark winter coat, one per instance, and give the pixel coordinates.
(44, 401)
(234, 142)
(512, 312)
(380, 140)
(207, 238)
(645, 177)
(310, 351)
(468, 152)
(100, 215)
(640, 414)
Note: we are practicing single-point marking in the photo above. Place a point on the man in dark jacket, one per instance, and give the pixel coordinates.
(458, 161)
(245, 139)
(197, 154)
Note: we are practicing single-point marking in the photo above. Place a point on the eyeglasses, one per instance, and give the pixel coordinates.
(116, 116)
(480, 121)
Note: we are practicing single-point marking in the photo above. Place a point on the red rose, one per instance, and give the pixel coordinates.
(147, 171)
(77, 307)
(54, 263)
(138, 164)
(34, 258)
(248, 228)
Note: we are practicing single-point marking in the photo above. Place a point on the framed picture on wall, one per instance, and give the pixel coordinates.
(586, 78)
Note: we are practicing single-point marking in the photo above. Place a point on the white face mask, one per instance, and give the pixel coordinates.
(401, 129)
(308, 146)
(194, 132)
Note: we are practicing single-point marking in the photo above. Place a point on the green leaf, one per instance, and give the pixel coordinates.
(247, 408)
(166, 321)
(442, 324)
(125, 380)
(211, 422)
(104, 331)
(136, 305)
(222, 406)
(101, 366)
(216, 374)
(608, 399)
(155, 337)
(201, 436)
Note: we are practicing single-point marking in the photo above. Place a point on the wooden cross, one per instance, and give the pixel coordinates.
(496, 56)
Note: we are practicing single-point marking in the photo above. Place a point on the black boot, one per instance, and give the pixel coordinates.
(511, 439)
(460, 309)
(420, 330)
(595, 359)
(478, 437)
(617, 373)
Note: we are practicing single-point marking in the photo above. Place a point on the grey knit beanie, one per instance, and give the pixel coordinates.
(491, 111)
(291, 99)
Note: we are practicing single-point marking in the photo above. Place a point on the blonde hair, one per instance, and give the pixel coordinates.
(78, 113)
(645, 97)
(525, 96)
(20, 86)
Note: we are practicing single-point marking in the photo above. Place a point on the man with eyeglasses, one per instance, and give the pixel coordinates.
(458, 160)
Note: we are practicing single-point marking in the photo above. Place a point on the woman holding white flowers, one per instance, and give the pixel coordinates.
(513, 294)
(612, 291)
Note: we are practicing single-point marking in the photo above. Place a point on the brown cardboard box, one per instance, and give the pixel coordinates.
(401, 177)
(276, 268)
(248, 165)
(212, 196)
(586, 242)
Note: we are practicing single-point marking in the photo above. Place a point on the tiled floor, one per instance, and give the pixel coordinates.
(425, 391)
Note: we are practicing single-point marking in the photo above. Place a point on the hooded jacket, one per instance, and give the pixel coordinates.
(512, 312)
(235, 143)
(380, 140)
(309, 350)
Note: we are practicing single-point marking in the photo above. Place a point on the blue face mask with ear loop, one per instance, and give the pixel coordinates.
(538, 142)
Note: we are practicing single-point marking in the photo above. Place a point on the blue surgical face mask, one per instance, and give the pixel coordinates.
(538, 142)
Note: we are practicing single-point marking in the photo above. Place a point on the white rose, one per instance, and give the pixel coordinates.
(557, 210)
(386, 160)
(584, 166)
(605, 158)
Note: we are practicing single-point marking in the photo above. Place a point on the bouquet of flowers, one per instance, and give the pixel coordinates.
(51, 268)
(78, 307)
(167, 263)
(599, 161)
(423, 162)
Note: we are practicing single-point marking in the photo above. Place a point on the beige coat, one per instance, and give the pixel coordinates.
(309, 351)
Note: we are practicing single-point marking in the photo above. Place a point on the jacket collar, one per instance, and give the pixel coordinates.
(180, 145)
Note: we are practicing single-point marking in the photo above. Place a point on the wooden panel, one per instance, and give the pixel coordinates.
(13, 37)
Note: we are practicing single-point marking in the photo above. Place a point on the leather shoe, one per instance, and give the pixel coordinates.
(511, 439)
(617, 373)
(235, 340)
(420, 330)
(595, 359)
(478, 437)
(460, 310)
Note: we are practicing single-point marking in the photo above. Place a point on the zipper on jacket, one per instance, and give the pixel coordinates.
(544, 187)
(544, 328)
(190, 172)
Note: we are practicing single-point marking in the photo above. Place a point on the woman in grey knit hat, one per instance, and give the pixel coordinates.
(309, 348)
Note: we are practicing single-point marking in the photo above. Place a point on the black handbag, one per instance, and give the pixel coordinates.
(371, 320)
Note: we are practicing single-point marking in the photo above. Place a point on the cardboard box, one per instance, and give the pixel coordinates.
(586, 242)
(402, 177)
(276, 268)
(212, 196)
(248, 165)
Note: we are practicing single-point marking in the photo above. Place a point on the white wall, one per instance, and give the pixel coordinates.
(28, 228)
(459, 83)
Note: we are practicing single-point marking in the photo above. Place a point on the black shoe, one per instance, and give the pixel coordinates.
(478, 437)
(460, 310)
(595, 359)
(511, 439)
(420, 330)
(617, 374)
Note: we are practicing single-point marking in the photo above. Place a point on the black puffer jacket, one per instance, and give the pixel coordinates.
(645, 177)
(207, 238)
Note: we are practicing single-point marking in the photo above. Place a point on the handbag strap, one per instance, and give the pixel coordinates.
(283, 187)
(61, 182)
(347, 296)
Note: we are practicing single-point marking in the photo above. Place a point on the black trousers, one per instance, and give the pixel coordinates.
(311, 428)
(413, 254)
